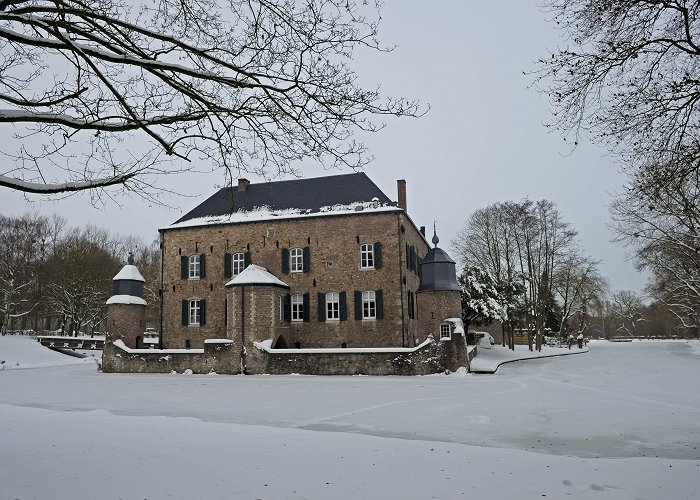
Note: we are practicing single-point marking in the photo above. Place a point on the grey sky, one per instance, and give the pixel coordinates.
(483, 140)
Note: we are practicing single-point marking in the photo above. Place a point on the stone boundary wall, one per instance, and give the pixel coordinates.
(219, 356)
(223, 357)
(429, 358)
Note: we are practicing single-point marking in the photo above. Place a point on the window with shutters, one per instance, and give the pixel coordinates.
(367, 256)
(369, 305)
(298, 307)
(194, 267)
(332, 306)
(445, 331)
(296, 260)
(238, 263)
(195, 312)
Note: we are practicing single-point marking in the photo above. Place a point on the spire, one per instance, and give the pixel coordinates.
(436, 240)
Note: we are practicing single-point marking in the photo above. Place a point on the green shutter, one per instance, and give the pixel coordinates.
(343, 306)
(307, 259)
(185, 312)
(306, 304)
(228, 272)
(358, 304)
(246, 259)
(288, 308)
(184, 267)
(202, 267)
(377, 255)
(321, 307)
(285, 260)
(379, 298)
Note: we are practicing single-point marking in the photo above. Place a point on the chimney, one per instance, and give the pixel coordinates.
(422, 230)
(243, 184)
(401, 184)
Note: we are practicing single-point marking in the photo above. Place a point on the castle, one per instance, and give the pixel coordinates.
(324, 275)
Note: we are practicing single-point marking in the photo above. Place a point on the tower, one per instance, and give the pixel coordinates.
(126, 308)
(440, 305)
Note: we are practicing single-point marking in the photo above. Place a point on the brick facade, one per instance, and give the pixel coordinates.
(333, 249)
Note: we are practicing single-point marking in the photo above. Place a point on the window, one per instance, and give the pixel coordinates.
(195, 312)
(445, 331)
(281, 308)
(194, 267)
(366, 256)
(296, 260)
(298, 307)
(332, 306)
(369, 305)
(238, 261)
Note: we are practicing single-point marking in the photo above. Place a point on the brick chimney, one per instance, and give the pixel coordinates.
(243, 184)
(401, 185)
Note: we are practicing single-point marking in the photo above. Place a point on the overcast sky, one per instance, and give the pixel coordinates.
(483, 140)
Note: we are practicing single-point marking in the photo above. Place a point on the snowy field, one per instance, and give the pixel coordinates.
(619, 422)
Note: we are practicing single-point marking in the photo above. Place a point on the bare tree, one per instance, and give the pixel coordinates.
(112, 93)
(579, 287)
(79, 276)
(629, 73)
(626, 309)
(662, 231)
(23, 245)
(525, 241)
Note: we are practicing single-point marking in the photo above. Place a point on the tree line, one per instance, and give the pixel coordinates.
(524, 265)
(627, 75)
(54, 278)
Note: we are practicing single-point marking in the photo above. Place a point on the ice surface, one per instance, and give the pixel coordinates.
(620, 422)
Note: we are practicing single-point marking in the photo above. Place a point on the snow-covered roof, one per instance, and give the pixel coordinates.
(125, 299)
(129, 272)
(264, 212)
(256, 275)
(289, 199)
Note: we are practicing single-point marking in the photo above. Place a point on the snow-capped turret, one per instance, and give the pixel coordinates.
(127, 285)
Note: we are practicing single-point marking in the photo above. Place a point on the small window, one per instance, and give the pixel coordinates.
(298, 307)
(194, 267)
(195, 312)
(281, 309)
(367, 256)
(445, 331)
(369, 305)
(296, 260)
(238, 260)
(332, 306)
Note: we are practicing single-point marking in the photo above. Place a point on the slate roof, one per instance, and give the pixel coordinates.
(305, 194)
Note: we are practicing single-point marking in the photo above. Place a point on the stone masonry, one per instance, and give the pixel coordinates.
(334, 247)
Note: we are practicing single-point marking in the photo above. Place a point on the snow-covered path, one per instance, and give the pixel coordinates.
(622, 421)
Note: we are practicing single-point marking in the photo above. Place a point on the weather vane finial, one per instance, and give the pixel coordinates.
(436, 240)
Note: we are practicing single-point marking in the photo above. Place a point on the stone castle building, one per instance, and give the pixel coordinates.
(303, 267)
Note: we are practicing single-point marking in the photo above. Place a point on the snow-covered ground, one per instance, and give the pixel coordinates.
(620, 422)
